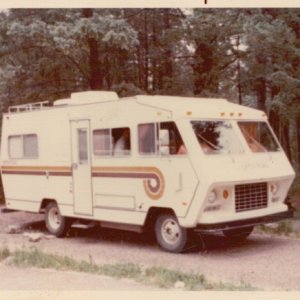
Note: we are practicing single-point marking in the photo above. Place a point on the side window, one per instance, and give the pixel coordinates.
(175, 142)
(30, 145)
(23, 146)
(165, 141)
(147, 138)
(108, 142)
(102, 142)
(121, 139)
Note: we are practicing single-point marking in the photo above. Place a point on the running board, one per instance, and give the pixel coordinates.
(5, 210)
(128, 227)
(84, 226)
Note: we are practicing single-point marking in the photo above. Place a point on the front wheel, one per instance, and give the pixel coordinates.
(238, 234)
(169, 234)
(55, 222)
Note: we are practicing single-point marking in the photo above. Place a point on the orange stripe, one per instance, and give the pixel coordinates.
(126, 169)
(35, 168)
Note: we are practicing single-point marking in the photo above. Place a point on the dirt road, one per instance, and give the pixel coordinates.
(267, 262)
(16, 279)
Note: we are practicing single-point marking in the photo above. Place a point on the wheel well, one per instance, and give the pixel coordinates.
(44, 204)
(153, 213)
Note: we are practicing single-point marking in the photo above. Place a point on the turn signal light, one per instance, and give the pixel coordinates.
(225, 194)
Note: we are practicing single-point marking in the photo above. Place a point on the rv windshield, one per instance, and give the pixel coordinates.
(217, 137)
(259, 137)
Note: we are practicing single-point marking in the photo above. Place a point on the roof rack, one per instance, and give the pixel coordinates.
(28, 107)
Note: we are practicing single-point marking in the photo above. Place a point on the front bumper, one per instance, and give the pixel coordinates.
(210, 228)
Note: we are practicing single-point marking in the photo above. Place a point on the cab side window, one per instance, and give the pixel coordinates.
(160, 138)
(147, 138)
(176, 145)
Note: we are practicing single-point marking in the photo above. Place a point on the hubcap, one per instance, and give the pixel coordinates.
(54, 218)
(170, 231)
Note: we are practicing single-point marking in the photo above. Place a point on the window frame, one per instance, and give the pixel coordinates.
(112, 143)
(209, 148)
(157, 152)
(109, 151)
(23, 156)
(156, 145)
(270, 132)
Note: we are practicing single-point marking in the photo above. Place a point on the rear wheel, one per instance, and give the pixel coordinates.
(55, 222)
(169, 234)
(238, 234)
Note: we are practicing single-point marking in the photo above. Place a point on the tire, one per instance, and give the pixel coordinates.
(238, 234)
(55, 222)
(169, 234)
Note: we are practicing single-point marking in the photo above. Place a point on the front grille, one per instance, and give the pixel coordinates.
(251, 196)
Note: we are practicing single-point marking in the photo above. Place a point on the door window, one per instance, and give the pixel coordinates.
(82, 145)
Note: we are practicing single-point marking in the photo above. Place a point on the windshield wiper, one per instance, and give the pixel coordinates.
(208, 143)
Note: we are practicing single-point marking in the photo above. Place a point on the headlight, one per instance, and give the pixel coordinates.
(212, 197)
(274, 188)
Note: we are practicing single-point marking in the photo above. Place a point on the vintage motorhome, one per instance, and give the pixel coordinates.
(173, 165)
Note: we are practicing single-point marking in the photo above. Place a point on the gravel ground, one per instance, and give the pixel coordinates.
(263, 261)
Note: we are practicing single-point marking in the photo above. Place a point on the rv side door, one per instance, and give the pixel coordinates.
(81, 167)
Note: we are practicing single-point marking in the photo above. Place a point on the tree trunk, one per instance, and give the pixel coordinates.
(155, 61)
(146, 54)
(274, 121)
(286, 140)
(261, 93)
(96, 77)
(140, 67)
(298, 140)
(202, 67)
(168, 66)
(238, 70)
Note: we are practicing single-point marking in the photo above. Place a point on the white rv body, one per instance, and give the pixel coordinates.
(48, 154)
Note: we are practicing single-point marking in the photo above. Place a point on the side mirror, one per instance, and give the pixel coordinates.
(164, 142)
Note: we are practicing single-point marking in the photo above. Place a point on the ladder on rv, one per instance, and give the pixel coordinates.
(28, 107)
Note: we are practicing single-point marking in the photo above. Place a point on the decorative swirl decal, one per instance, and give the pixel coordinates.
(153, 179)
(154, 186)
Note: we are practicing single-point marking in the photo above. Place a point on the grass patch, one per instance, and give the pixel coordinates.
(285, 227)
(158, 276)
(282, 228)
(294, 195)
(4, 253)
(294, 191)
(167, 278)
(297, 214)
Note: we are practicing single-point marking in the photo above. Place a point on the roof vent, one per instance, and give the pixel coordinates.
(88, 98)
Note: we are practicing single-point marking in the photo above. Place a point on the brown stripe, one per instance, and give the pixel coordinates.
(35, 168)
(60, 173)
(132, 175)
(154, 191)
(40, 173)
(125, 169)
(24, 172)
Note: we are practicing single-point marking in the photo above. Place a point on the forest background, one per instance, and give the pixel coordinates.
(249, 56)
